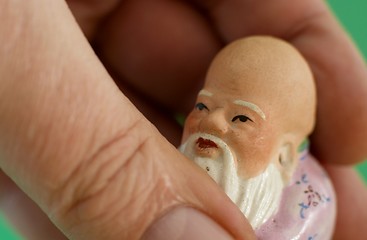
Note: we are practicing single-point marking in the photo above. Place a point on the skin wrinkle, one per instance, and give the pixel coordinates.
(167, 200)
(73, 184)
(159, 187)
(139, 194)
(273, 22)
(109, 180)
(159, 191)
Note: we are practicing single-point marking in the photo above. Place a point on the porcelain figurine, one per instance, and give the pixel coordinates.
(249, 131)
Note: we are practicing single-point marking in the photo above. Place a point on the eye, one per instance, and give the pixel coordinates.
(242, 118)
(201, 106)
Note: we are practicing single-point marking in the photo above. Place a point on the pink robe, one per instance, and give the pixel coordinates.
(307, 210)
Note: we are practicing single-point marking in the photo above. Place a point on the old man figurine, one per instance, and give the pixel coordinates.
(248, 132)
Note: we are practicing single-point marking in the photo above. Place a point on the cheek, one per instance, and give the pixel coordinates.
(243, 144)
(252, 152)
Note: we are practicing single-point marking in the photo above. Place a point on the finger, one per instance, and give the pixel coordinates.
(91, 18)
(351, 194)
(82, 151)
(339, 70)
(27, 218)
(90, 13)
(161, 48)
(163, 119)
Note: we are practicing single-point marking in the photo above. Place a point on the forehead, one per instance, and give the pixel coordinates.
(238, 88)
(257, 78)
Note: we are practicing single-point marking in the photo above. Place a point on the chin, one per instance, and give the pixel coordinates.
(258, 197)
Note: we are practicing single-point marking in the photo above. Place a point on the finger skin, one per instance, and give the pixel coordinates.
(352, 132)
(340, 135)
(27, 218)
(89, 14)
(351, 194)
(78, 147)
(160, 48)
(339, 70)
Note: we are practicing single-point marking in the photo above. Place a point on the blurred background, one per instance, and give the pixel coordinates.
(351, 14)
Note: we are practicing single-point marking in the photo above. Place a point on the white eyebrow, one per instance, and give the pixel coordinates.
(205, 93)
(251, 106)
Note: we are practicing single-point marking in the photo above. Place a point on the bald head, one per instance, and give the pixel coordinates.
(259, 98)
(257, 106)
(271, 74)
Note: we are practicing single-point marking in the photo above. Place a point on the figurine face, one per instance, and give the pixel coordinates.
(234, 117)
(259, 98)
(256, 107)
(228, 135)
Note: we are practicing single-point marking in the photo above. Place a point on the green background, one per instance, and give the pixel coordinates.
(352, 16)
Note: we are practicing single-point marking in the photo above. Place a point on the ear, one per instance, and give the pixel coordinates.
(287, 160)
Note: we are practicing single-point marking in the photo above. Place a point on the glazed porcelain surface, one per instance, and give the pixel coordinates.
(254, 112)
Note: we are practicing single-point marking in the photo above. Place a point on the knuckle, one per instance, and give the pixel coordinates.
(119, 178)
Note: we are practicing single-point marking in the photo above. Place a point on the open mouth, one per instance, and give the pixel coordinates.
(206, 143)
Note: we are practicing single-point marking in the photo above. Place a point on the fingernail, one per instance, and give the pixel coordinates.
(185, 223)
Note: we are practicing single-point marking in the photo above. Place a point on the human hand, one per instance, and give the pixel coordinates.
(157, 64)
(71, 141)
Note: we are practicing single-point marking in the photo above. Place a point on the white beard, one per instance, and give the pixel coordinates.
(258, 198)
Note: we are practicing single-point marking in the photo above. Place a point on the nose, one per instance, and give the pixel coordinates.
(214, 123)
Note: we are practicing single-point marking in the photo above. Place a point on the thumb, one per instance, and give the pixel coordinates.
(81, 150)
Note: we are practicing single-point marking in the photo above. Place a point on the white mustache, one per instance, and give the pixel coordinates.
(251, 195)
(218, 142)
